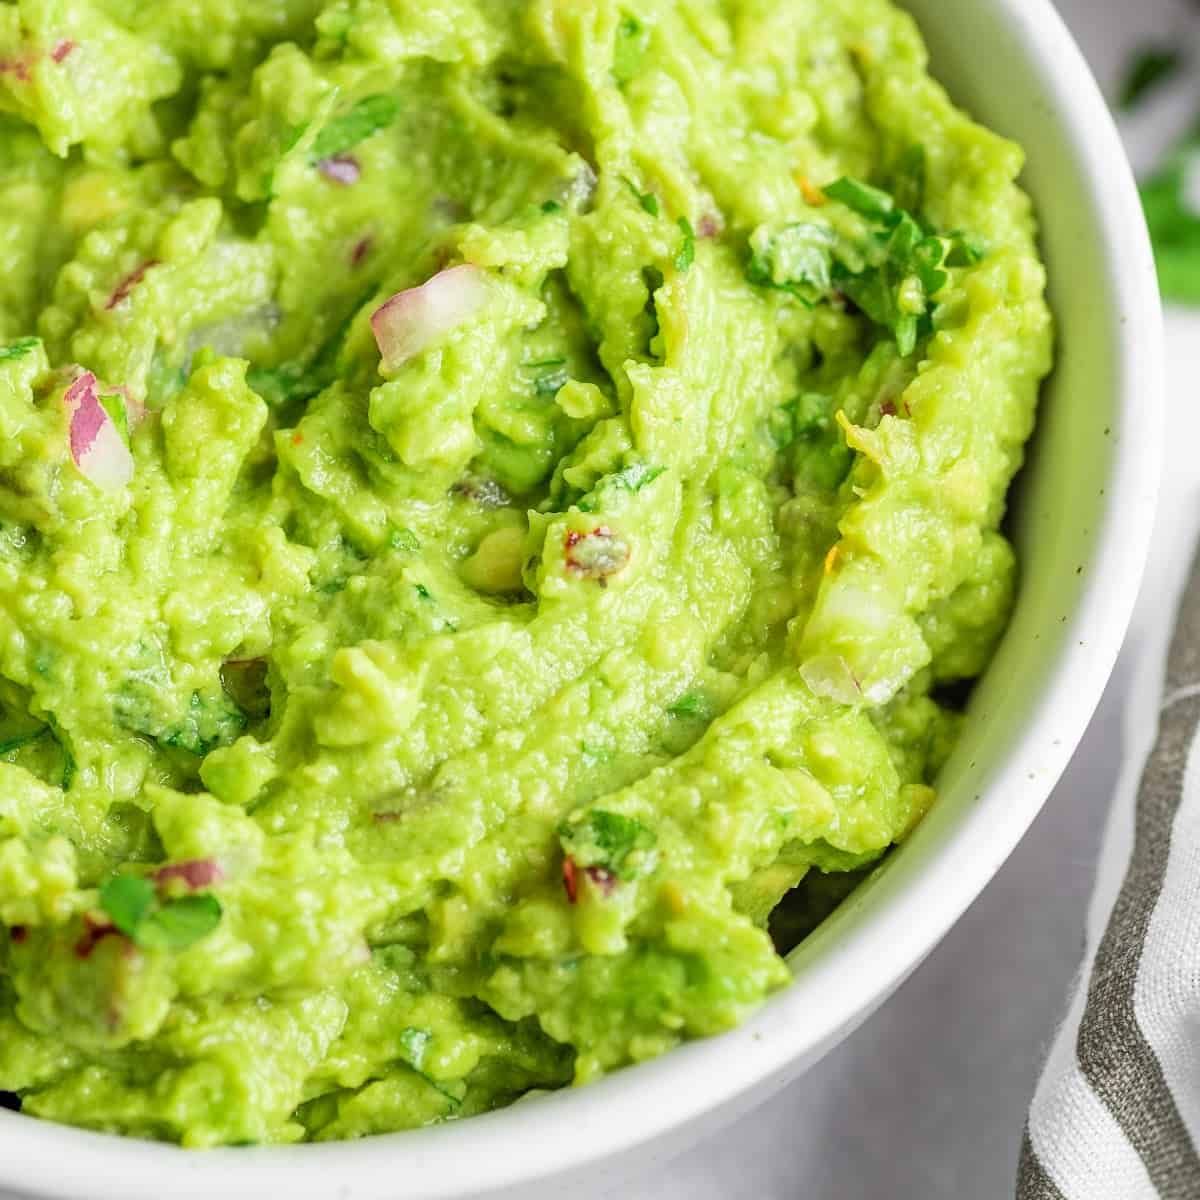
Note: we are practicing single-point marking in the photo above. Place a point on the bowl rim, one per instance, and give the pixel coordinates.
(878, 945)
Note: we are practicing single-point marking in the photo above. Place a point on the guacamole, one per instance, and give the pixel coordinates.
(494, 496)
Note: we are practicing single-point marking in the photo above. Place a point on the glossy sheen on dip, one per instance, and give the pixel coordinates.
(494, 494)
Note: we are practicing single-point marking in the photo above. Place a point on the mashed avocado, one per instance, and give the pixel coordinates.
(493, 493)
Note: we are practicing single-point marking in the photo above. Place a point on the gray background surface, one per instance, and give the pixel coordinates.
(927, 1101)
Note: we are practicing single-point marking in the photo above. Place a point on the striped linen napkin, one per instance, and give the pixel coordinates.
(1116, 1115)
(1117, 1111)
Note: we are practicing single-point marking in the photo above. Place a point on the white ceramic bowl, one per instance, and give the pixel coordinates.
(1083, 520)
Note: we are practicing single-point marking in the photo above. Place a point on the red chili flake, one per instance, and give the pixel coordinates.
(129, 283)
(571, 879)
(19, 935)
(198, 874)
(596, 555)
(63, 49)
(711, 225)
(94, 932)
(360, 251)
(297, 439)
(887, 409)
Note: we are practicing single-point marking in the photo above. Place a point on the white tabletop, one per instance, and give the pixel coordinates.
(927, 1101)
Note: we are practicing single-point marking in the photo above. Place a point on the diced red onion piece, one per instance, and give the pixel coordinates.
(97, 448)
(122, 290)
(829, 676)
(413, 320)
(199, 874)
(341, 168)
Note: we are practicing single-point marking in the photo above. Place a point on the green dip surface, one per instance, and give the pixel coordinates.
(405, 706)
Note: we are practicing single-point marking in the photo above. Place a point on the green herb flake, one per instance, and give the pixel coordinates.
(404, 539)
(1152, 67)
(133, 906)
(114, 405)
(807, 418)
(966, 250)
(691, 707)
(613, 841)
(893, 275)
(1174, 221)
(128, 901)
(552, 382)
(647, 200)
(798, 260)
(280, 386)
(551, 207)
(687, 250)
(414, 1045)
(628, 481)
(424, 592)
(180, 923)
(629, 48)
(18, 349)
(861, 198)
(366, 118)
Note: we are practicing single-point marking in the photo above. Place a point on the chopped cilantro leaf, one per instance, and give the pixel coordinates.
(133, 906)
(414, 1044)
(180, 923)
(648, 200)
(366, 118)
(1152, 67)
(802, 419)
(629, 48)
(630, 479)
(424, 592)
(404, 539)
(18, 349)
(691, 707)
(966, 250)
(687, 250)
(798, 260)
(613, 841)
(280, 386)
(1173, 214)
(552, 206)
(552, 382)
(893, 274)
(595, 756)
(861, 198)
(128, 901)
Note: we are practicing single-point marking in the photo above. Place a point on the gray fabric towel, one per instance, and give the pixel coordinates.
(1118, 1110)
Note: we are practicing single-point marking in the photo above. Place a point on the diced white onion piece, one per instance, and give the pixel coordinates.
(829, 676)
